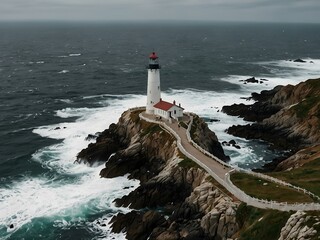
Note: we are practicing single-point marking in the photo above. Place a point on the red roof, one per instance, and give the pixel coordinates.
(153, 56)
(163, 105)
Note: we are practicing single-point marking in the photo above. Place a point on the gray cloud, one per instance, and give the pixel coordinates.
(221, 10)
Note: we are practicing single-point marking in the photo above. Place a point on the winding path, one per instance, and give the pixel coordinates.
(221, 171)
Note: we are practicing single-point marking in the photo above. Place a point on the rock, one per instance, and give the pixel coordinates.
(279, 138)
(11, 226)
(57, 128)
(133, 150)
(300, 158)
(286, 120)
(214, 120)
(237, 146)
(251, 80)
(137, 225)
(297, 228)
(232, 142)
(98, 152)
(184, 195)
(207, 139)
(225, 143)
(299, 60)
(91, 137)
(169, 235)
(256, 112)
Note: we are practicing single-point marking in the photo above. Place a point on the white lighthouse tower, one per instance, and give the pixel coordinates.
(153, 89)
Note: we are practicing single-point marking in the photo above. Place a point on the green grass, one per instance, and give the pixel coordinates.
(314, 83)
(153, 128)
(313, 97)
(187, 162)
(307, 176)
(302, 109)
(255, 187)
(260, 223)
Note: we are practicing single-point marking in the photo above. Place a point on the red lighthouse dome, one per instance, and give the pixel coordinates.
(153, 61)
(153, 56)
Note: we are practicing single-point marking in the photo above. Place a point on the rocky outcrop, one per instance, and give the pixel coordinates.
(106, 144)
(299, 60)
(288, 117)
(297, 228)
(260, 110)
(205, 138)
(300, 158)
(182, 203)
(219, 211)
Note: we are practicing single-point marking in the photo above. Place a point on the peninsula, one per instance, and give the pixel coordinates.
(187, 189)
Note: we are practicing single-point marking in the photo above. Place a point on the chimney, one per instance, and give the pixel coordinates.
(160, 99)
(179, 105)
(174, 102)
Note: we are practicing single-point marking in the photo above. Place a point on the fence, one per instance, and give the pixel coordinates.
(278, 181)
(262, 203)
(200, 148)
(227, 183)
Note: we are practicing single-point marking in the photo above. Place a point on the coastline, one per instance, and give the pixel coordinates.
(146, 195)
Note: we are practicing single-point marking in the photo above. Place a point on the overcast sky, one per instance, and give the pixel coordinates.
(146, 10)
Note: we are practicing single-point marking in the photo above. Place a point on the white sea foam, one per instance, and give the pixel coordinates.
(64, 71)
(75, 189)
(74, 54)
(45, 196)
(41, 197)
(64, 100)
(209, 104)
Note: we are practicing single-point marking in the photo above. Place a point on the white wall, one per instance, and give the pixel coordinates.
(153, 89)
(161, 113)
(176, 112)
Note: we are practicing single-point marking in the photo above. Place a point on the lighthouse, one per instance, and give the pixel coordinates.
(153, 89)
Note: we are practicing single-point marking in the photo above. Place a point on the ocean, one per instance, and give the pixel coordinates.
(60, 82)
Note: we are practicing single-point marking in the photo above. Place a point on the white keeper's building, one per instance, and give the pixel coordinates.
(155, 105)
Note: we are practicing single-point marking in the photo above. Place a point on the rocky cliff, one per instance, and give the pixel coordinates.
(300, 226)
(288, 117)
(176, 199)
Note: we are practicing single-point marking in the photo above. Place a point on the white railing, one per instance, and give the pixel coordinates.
(278, 181)
(227, 183)
(200, 148)
(136, 109)
(262, 203)
(182, 149)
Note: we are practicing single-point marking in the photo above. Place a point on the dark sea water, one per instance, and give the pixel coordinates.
(61, 81)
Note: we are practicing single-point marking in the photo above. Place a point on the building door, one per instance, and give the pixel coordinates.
(170, 115)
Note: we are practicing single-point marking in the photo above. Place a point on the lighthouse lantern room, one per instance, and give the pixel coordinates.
(153, 89)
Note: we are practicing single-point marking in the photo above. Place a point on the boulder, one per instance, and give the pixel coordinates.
(299, 60)
(137, 225)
